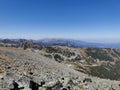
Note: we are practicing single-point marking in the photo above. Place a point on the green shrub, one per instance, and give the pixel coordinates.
(58, 58)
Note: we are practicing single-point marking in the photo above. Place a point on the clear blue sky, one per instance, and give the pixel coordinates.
(78, 19)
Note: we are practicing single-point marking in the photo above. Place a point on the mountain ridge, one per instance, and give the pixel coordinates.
(65, 42)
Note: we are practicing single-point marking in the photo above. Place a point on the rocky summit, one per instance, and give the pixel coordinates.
(56, 68)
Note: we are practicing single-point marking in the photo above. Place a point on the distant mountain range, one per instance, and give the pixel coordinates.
(65, 42)
(76, 43)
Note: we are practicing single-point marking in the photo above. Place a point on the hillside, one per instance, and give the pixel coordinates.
(30, 70)
(100, 62)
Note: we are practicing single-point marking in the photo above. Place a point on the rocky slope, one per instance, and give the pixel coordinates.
(34, 69)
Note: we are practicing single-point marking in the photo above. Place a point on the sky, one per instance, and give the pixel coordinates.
(89, 20)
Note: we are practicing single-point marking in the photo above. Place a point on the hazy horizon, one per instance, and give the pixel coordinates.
(107, 41)
(86, 20)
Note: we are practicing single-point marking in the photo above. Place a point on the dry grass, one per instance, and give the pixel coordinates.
(14, 50)
(2, 70)
(5, 58)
